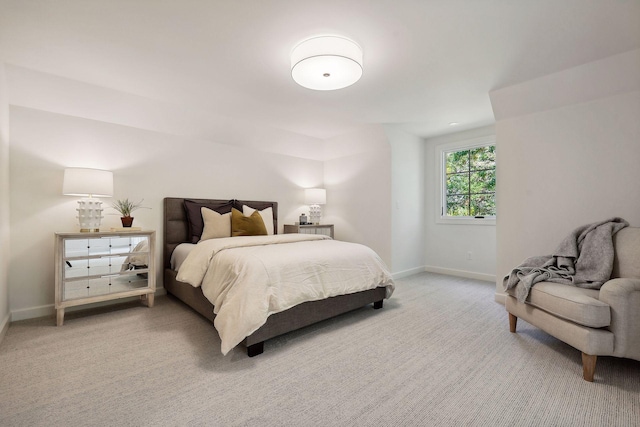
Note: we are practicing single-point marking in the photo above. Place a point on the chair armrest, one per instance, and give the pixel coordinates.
(623, 296)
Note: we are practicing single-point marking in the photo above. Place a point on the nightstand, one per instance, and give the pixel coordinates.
(326, 229)
(103, 266)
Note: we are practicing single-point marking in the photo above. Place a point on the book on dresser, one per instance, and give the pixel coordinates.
(126, 229)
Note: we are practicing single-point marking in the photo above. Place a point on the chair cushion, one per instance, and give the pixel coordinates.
(627, 249)
(577, 305)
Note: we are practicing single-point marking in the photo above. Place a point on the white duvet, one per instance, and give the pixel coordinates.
(248, 278)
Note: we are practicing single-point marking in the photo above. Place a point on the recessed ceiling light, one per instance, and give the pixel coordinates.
(326, 63)
(454, 124)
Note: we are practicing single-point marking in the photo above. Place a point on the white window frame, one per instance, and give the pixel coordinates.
(441, 194)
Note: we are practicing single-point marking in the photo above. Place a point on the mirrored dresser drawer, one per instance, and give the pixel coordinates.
(102, 266)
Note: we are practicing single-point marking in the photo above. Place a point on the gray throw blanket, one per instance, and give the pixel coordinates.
(583, 259)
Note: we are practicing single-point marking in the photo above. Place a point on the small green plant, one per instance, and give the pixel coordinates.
(126, 207)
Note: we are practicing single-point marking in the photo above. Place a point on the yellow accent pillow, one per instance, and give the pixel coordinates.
(252, 225)
(266, 214)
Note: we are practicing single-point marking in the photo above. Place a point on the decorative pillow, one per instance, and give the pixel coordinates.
(266, 214)
(252, 225)
(194, 215)
(215, 225)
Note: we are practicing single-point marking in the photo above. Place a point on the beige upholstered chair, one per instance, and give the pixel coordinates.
(603, 322)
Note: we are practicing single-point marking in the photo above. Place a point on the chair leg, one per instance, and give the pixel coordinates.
(588, 366)
(513, 320)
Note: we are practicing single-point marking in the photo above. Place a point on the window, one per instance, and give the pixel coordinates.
(468, 177)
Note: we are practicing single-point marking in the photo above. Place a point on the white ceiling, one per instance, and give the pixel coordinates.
(426, 62)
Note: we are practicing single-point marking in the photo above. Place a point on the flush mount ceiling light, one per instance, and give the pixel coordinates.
(326, 63)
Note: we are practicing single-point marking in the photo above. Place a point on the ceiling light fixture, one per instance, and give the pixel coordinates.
(326, 63)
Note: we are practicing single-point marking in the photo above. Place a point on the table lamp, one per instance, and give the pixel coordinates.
(88, 184)
(315, 197)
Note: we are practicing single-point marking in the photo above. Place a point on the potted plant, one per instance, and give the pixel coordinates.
(126, 207)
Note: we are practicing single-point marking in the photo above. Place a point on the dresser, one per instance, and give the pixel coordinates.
(102, 266)
(326, 229)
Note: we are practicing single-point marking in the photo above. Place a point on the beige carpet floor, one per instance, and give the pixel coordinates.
(438, 354)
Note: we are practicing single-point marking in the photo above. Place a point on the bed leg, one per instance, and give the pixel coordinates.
(377, 305)
(255, 349)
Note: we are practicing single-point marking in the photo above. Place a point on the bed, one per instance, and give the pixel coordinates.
(179, 229)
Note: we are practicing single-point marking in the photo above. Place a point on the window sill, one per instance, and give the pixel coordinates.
(466, 221)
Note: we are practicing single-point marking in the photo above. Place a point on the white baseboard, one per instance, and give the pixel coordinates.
(49, 309)
(4, 326)
(33, 312)
(500, 298)
(461, 273)
(406, 273)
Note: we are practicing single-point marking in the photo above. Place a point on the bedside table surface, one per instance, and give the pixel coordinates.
(325, 229)
(105, 233)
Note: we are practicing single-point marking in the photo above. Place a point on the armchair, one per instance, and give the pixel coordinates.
(604, 322)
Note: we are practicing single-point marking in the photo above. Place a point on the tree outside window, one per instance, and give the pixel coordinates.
(470, 182)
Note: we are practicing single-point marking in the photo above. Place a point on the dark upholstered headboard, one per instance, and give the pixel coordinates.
(176, 226)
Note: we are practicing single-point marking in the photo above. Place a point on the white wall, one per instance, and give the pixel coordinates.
(4, 204)
(447, 245)
(357, 176)
(568, 147)
(146, 164)
(407, 202)
(47, 92)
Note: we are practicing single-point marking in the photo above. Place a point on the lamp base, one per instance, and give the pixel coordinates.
(89, 214)
(315, 213)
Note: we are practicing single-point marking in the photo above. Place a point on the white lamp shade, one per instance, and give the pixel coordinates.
(326, 63)
(315, 196)
(87, 182)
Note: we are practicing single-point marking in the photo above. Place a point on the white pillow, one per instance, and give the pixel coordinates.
(266, 214)
(215, 225)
